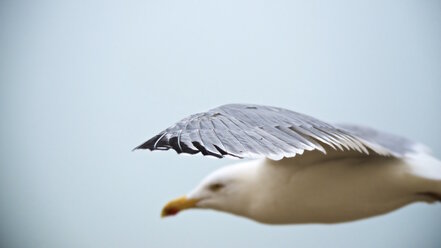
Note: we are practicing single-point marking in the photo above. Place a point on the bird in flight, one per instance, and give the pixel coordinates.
(299, 169)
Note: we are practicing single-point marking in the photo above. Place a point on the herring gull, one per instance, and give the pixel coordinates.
(299, 169)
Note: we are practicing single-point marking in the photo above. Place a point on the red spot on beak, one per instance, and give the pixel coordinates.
(172, 211)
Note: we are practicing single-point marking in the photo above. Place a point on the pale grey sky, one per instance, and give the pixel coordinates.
(83, 82)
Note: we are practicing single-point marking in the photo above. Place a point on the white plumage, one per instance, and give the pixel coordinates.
(315, 189)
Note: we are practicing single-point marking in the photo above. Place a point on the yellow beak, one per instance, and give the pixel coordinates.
(178, 204)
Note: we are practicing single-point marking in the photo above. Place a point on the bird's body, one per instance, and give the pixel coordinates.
(305, 170)
(314, 190)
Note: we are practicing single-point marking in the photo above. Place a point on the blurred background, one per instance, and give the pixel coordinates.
(84, 82)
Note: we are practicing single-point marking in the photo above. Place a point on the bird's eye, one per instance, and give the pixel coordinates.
(216, 187)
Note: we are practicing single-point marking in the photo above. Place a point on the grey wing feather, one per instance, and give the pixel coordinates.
(255, 131)
(381, 142)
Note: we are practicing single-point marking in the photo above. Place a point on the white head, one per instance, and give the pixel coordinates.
(226, 189)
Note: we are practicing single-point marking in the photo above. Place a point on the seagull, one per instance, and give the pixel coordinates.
(298, 169)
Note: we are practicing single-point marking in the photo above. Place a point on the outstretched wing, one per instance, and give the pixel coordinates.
(254, 131)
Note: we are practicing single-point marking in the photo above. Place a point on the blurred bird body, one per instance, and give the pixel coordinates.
(311, 190)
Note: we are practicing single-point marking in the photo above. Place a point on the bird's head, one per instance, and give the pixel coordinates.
(226, 189)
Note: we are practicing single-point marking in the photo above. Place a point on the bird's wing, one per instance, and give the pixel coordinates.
(254, 131)
(386, 143)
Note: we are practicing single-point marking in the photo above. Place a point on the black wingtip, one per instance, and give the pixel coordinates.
(142, 146)
(151, 143)
(138, 147)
